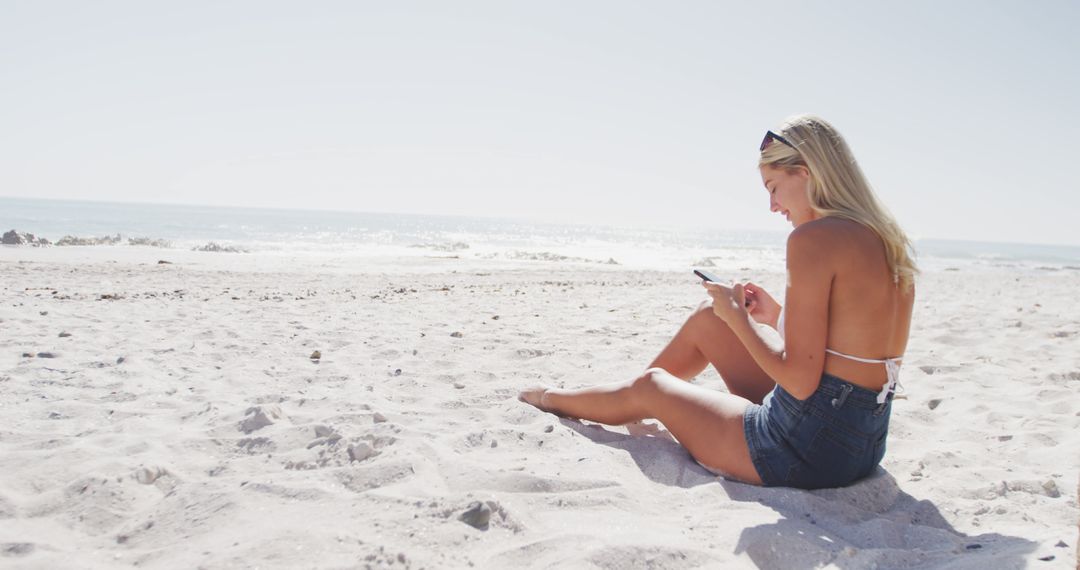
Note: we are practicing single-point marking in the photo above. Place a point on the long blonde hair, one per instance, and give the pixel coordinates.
(838, 187)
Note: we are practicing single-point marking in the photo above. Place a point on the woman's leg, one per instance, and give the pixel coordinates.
(709, 424)
(705, 338)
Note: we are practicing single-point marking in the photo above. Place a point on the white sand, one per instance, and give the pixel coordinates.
(183, 423)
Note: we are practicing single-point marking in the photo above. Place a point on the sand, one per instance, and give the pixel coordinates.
(174, 416)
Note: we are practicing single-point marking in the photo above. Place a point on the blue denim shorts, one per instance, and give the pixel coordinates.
(831, 439)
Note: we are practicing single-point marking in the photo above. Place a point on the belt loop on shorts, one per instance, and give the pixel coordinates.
(844, 391)
(880, 409)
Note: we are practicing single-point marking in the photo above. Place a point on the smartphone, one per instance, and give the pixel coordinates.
(706, 275)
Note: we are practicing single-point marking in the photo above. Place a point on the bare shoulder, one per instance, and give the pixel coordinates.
(830, 245)
(827, 238)
(828, 231)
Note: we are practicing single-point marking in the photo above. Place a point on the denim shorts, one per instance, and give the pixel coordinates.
(831, 439)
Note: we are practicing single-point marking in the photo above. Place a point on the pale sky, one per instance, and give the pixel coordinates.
(962, 113)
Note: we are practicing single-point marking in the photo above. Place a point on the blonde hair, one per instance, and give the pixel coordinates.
(838, 187)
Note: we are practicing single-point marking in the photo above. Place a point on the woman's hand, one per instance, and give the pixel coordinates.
(761, 306)
(728, 302)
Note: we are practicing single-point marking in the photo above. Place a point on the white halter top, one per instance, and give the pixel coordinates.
(892, 365)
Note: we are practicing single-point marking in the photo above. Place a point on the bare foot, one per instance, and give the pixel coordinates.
(534, 396)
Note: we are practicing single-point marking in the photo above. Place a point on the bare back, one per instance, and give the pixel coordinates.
(869, 315)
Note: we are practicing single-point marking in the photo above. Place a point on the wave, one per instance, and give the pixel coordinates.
(519, 255)
(445, 246)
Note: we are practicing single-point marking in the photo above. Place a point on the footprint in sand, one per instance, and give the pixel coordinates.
(367, 476)
(259, 417)
(333, 449)
(256, 445)
(17, 549)
(930, 370)
(148, 475)
(1047, 488)
(360, 451)
(99, 503)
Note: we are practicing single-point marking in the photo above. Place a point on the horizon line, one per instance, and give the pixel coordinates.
(504, 218)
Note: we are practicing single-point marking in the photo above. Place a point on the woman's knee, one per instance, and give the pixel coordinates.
(705, 322)
(651, 381)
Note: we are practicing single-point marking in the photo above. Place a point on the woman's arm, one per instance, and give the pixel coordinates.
(798, 367)
(761, 306)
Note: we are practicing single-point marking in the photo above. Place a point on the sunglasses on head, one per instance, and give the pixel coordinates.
(770, 137)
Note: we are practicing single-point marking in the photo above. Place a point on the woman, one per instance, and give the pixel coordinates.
(816, 412)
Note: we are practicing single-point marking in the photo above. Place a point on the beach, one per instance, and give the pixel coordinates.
(241, 410)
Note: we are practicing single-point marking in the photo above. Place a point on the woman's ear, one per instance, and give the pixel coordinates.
(804, 173)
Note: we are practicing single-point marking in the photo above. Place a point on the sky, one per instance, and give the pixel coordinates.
(962, 114)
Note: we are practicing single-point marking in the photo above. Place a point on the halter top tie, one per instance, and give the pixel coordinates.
(892, 365)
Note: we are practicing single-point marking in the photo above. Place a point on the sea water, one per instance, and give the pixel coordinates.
(336, 233)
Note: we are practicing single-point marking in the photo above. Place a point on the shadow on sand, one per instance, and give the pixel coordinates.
(653, 449)
(872, 523)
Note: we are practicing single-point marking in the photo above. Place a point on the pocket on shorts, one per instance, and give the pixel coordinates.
(837, 458)
(879, 448)
(788, 412)
(834, 443)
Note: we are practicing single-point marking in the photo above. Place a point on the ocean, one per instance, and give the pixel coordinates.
(330, 233)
